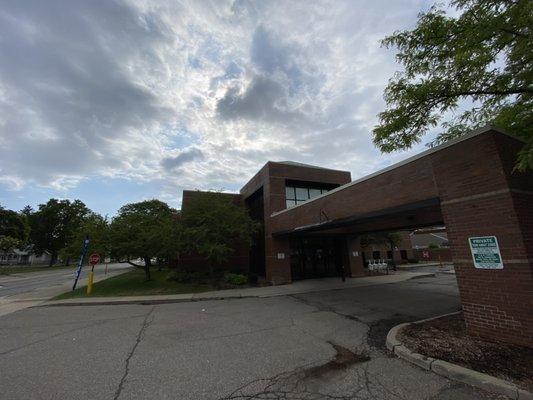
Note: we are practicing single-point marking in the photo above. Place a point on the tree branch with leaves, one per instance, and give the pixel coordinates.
(477, 65)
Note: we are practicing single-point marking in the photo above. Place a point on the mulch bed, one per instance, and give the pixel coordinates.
(446, 339)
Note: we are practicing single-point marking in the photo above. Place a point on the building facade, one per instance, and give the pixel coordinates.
(469, 185)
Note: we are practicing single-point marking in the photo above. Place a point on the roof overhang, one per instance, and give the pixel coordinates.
(418, 206)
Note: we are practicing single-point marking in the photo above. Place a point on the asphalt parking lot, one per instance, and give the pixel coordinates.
(323, 345)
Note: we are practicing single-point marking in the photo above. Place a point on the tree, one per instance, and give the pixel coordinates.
(97, 228)
(12, 224)
(54, 224)
(8, 243)
(391, 239)
(215, 225)
(143, 230)
(478, 64)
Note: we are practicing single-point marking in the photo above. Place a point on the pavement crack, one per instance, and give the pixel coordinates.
(322, 308)
(295, 384)
(148, 319)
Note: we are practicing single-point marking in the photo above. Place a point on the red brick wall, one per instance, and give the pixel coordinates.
(272, 178)
(478, 199)
(481, 195)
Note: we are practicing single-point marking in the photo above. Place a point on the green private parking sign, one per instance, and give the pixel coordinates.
(486, 252)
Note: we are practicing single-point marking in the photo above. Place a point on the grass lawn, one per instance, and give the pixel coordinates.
(17, 269)
(133, 284)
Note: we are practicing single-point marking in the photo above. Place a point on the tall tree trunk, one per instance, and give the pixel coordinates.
(147, 264)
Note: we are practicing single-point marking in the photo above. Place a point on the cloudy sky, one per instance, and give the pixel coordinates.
(119, 101)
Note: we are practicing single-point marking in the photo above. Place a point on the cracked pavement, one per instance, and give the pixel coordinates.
(323, 345)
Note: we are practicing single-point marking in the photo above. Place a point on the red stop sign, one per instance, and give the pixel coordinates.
(94, 258)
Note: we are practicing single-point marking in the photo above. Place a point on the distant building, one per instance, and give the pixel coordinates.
(24, 256)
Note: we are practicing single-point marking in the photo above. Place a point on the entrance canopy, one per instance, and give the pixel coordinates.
(470, 186)
(407, 216)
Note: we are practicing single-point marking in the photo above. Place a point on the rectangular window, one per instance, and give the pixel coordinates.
(298, 195)
(290, 203)
(289, 192)
(314, 193)
(302, 194)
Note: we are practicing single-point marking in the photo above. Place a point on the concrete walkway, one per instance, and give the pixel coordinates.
(299, 287)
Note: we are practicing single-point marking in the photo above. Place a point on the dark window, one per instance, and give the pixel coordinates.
(376, 254)
(298, 194)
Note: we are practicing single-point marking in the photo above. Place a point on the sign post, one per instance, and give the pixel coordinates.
(93, 260)
(84, 249)
(485, 252)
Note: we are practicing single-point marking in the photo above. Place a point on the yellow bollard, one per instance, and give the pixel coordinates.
(90, 282)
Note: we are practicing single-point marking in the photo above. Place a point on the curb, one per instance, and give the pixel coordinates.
(453, 371)
(427, 275)
(189, 297)
(147, 302)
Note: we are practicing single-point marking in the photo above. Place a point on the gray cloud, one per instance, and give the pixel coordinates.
(67, 94)
(269, 54)
(263, 99)
(277, 85)
(186, 156)
(92, 89)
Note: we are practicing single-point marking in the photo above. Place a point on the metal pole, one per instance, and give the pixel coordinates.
(80, 263)
(90, 282)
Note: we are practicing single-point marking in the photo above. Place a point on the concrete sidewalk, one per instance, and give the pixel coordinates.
(406, 267)
(305, 286)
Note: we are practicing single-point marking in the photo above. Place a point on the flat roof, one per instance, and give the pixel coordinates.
(299, 164)
(418, 156)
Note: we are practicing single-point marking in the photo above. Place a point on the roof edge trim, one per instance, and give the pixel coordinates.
(471, 134)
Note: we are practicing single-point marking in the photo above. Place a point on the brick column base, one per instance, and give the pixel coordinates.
(355, 255)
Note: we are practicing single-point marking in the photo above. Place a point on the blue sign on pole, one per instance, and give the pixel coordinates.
(80, 263)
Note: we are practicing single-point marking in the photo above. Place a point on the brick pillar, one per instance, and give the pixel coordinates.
(355, 256)
(278, 260)
(482, 196)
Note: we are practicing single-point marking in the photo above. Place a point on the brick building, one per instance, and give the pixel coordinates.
(467, 185)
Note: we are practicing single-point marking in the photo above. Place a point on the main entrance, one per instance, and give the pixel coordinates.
(317, 257)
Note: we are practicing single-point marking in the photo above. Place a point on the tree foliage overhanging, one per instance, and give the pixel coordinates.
(477, 65)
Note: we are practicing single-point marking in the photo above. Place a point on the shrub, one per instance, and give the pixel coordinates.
(253, 278)
(433, 246)
(235, 279)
